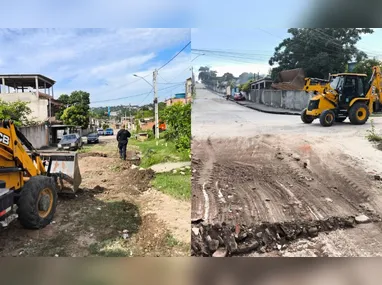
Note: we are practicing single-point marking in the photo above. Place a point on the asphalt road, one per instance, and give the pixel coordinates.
(215, 117)
(252, 167)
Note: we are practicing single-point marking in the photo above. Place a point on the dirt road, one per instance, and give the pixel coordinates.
(260, 192)
(116, 213)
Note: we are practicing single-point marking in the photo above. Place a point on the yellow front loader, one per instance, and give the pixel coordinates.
(348, 95)
(30, 181)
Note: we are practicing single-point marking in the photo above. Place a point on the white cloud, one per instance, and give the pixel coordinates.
(99, 61)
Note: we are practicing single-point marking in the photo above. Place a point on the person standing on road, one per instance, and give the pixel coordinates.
(123, 136)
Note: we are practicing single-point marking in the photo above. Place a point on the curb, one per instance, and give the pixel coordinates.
(270, 112)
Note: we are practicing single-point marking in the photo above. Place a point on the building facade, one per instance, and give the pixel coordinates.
(35, 89)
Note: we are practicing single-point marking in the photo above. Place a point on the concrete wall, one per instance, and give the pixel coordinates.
(37, 135)
(38, 106)
(293, 100)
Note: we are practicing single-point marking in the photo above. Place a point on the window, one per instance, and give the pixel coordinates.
(360, 87)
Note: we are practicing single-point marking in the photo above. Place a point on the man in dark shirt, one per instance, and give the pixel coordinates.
(123, 136)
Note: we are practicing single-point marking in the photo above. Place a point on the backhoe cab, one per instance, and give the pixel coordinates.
(346, 95)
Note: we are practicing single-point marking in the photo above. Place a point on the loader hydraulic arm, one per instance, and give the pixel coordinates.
(316, 85)
(11, 149)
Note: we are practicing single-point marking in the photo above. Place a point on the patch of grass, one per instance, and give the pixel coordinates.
(372, 134)
(154, 153)
(174, 184)
(376, 115)
(171, 241)
(110, 248)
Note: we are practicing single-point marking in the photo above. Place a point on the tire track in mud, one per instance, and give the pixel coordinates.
(202, 210)
(276, 182)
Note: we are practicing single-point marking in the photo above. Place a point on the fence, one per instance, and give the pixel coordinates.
(37, 135)
(292, 100)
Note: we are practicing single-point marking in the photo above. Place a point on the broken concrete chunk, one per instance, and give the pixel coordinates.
(362, 219)
(221, 252)
(195, 231)
(313, 231)
(213, 245)
(231, 244)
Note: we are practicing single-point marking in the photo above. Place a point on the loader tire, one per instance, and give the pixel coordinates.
(37, 203)
(306, 118)
(327, 118)
(359, 114)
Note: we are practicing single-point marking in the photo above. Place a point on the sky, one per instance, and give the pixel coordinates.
(258, 41)
(101, 61)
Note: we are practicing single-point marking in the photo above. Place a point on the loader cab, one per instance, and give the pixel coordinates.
(348, 86)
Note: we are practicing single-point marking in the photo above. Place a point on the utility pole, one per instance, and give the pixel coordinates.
(155, 74)
(131, 119)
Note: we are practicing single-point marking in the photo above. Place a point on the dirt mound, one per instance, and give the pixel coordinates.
(92, 154)
(139, 179)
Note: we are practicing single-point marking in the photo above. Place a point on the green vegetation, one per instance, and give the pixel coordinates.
(165, 151)
(174, 184)
(318, 51)
(372, 134)
(105, 126)
(365, 66)
(76, 110)
(178, 120)
(16, 111)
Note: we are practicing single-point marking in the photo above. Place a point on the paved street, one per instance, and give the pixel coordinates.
(252, 167)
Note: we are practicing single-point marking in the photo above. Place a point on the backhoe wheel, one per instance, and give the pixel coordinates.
(340, 120)
(359, 114)
(306, 118)
(37, 203)
(327, 118)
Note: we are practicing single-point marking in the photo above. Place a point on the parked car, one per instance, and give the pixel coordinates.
(100, 132)
(238, 97)
(93, 138)
(70, 142)
(109, 132)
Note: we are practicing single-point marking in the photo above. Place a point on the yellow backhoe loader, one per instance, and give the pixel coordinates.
(347, 95)
(30, 181)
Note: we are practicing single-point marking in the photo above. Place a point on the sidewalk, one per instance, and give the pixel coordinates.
(267, 109)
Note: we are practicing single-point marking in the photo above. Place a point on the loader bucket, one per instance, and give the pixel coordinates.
(63, 167)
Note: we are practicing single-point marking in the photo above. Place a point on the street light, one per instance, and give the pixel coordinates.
(144, 80)
(155, 101)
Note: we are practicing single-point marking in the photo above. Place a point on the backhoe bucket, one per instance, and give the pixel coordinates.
(63, 167)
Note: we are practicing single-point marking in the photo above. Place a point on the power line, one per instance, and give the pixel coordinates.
(131, 96)
(175, 56)
(162, 78)
(146, 96)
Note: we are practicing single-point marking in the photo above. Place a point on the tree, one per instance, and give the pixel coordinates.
(228, 77)
(246, 87)
(318, 51)
(366, 66)
(207, 76)
(204, 72)
(178, 121)
(76, 110)
(16, 111)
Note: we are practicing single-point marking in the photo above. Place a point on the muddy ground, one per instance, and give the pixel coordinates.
(115, 213)
(259, 194)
